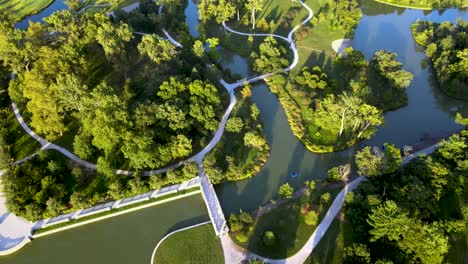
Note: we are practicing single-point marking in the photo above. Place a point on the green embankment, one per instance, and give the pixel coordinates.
(21, 8)
(195, 245)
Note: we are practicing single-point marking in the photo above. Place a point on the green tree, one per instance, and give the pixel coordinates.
(369, 162)
(234, 125)
(253, 6)
(285, 191)
(311, 218)
(156, 49)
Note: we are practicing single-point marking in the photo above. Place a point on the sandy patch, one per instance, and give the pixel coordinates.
(340, 45)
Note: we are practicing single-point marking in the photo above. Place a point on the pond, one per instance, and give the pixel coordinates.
(429, 113)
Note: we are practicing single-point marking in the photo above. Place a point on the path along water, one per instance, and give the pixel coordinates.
(429, 113)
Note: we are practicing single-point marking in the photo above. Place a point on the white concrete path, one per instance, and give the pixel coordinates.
(235, 254)
(14, 231)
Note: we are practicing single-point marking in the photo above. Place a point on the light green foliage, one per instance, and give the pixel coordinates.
(388, 221)
(156, 49)
(234, 124)
(240, 225)
(198, 48)
(285, 191)
(314, 79)
(253, 140)
(427, 4)
(253, 6)
(219, 10)
(269, 238)
(369, 162)
(311, 218)
(357, 253)
(271, 57)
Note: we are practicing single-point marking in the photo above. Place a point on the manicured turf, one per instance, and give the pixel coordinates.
(330, 248)
(22, 8)
(22, 145)
(195, 245)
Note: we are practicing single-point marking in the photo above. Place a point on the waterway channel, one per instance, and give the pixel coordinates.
(430, 113)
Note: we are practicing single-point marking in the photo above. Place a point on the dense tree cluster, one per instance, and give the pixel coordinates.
(447, 47)
(402, 215)
(90, 73)
(271, 57)
(340, 15)
(48, 185)
(244, 149)
(329, 114)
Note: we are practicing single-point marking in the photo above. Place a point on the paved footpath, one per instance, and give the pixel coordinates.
(235, 254)
(14, 231)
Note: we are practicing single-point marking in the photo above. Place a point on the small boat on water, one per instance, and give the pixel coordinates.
(294, 174)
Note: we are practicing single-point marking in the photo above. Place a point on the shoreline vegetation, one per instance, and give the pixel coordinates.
(244, 149)
(445, 47)
(425, 4)
(280, 228)
(416, 212)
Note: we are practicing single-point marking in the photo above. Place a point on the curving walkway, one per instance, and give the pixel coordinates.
(235, 254)
(170, 234)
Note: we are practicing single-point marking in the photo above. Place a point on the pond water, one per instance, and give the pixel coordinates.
(191, 18)
(55, 6)
(129, 238)
(429, 114)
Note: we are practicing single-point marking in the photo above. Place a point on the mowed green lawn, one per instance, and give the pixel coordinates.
(330, 249)
(197, 245)
(22, 8)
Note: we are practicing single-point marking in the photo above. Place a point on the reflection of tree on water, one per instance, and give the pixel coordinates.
(373, 8)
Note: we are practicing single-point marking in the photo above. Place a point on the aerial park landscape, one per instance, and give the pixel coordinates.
(228, 131)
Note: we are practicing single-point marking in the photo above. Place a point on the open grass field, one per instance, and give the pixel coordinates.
(22, 8)
(197, 245)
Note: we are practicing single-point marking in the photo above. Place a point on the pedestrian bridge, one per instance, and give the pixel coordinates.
(212, 203)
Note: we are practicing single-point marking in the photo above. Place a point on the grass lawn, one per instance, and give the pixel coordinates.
(287, 223)
(331, 246)
(450, 206)
(195, 245)
(22, 145)
(103, 2)
(22, 8)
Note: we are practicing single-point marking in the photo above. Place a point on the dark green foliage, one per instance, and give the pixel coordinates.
(403, 215)
(243, 149)
(447, 48)
(271, 57)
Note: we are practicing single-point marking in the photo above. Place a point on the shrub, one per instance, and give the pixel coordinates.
(311, 218)
(269, 238)
(242, 237)
(285, 191)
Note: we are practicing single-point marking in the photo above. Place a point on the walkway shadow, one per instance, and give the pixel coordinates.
(3, 217)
